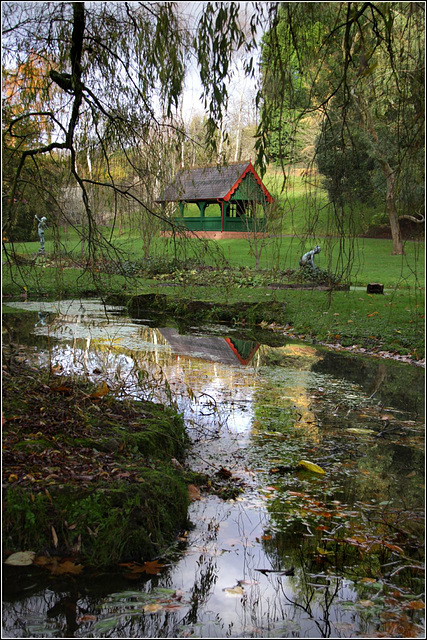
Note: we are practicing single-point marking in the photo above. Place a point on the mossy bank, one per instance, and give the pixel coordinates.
(87, 474)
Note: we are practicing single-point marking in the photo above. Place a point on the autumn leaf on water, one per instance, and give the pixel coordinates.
(87, 618)
(152, 568)
(152, 608)
(310, 466)
(234, 591)
(66, 567)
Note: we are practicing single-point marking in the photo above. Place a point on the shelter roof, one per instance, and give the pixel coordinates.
(209, 183)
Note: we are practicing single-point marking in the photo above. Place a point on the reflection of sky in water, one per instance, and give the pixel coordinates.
(226, 545)
(115, 348)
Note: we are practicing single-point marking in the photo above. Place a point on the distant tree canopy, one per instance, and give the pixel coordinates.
(344, 158)
(361, 66)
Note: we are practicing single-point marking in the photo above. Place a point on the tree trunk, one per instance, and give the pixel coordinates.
(390, 179)
(391, 208)
(239, 130)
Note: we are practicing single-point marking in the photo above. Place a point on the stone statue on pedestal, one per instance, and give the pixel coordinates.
(308, 258)
(41, 228)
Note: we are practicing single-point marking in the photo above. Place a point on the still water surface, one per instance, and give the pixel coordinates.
(295, 554)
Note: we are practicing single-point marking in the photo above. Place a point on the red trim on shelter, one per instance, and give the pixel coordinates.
(249, 169)
(237, 354)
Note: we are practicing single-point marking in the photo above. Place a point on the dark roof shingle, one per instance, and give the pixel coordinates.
(207, 183)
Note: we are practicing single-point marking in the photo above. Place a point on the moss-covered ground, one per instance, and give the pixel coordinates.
(86, 474)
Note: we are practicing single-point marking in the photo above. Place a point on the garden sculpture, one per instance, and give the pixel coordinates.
(41, 227)
(42, 315)
(308, 258)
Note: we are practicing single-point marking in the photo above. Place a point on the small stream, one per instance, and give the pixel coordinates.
(294, 553)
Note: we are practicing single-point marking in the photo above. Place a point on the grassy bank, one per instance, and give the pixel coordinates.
(87, 475)
(391, 322)
(358, 260)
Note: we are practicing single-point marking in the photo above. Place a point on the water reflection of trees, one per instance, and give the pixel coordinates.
(393, 383)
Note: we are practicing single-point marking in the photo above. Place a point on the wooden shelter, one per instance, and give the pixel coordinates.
(212, 200)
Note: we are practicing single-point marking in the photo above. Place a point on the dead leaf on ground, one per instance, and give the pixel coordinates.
(193, 492)
(54, 537)
(414, 604)
(21, 558)
(101, 391)
(224, 473)
(61, 388)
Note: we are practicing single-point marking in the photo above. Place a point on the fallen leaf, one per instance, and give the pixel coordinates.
(43, 561)
(61, 388)
(21, 558)
(101, 391)
(152, 608)
(152, 568)
(54, 537)
(310, 466)
(193, 492)
(366, 603)
(234, 591)
(173, 606)
(393, 547)
(87, 618)
(414, 604)
(68, 566)
(324, 552)
(224, 473)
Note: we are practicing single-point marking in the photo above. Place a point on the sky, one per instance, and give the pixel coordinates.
(192, 103)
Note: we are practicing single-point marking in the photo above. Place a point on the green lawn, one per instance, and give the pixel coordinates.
(394, 321)
(360, 260)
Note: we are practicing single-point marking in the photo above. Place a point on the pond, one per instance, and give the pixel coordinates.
(331, 550)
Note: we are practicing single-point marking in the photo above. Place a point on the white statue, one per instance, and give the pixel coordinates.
(308, 258)
(40, 228)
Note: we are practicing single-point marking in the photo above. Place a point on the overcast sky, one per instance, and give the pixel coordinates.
(192, 105)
